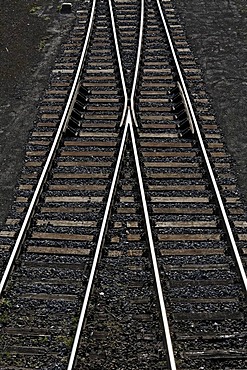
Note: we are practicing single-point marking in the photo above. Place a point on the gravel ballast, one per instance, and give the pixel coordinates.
(217, 35)
(31, 37)
(31, 34)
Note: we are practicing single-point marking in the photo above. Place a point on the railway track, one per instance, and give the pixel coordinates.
(126, 239)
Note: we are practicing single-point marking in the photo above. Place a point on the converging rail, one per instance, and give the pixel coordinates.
(127, 229)
(128, 128)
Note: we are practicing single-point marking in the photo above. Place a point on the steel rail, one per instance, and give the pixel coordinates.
(170, 351)
(138, 58)
(62, 125)
(119, 65)
(205, 155)
(104, 224)
(98, 250)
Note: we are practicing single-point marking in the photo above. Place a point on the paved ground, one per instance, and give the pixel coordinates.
(217, 33)
(31, 34)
